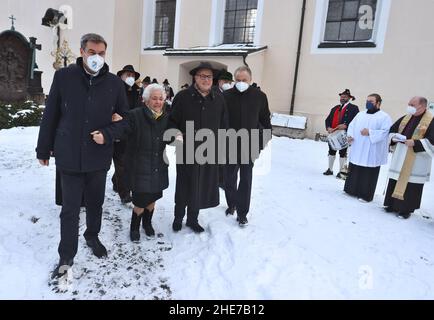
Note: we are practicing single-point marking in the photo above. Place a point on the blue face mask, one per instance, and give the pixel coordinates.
(370, 106)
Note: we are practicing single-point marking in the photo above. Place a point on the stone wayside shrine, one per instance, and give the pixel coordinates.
(19, 79)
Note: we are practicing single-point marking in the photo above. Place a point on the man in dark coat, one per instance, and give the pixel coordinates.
(247, 110)
(129, 76)
(339, 119)
(77, 126)
(197, 184)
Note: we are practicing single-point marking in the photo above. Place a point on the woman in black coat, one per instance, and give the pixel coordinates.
(146, 161)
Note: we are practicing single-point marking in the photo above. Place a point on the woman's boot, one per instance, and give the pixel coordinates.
(147, 223)
(135, 227)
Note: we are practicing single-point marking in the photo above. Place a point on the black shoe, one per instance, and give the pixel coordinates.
(341, 175)
(389, 209)
(177, 225)
(195, 226)
(135, 227)
(404, 215)
(230, 211)
(147, 223)
(242, 222)
(62, 268)
(97, 247)
(126, 199)
(328, 173)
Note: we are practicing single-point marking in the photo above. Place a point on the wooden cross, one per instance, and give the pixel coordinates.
(12, 18)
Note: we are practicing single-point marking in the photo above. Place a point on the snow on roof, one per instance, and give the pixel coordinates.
(224, 49)
(283, 120)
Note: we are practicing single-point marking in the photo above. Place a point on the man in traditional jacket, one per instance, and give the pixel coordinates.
(340, 118)
(368, 134)
(413, 141)
(197, 184)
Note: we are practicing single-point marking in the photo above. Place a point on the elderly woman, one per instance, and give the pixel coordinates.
(146, 167)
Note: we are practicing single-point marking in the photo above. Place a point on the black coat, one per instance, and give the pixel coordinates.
(145, 158)
(350, 112)
(78, 105)
(134, 96)
(247, 110)
(197, 185)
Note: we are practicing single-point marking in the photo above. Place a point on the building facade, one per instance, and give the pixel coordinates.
(381, 46)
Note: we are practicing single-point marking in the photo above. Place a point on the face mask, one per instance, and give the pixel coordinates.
(130, 81)
(411, 110)
(242, 86)
(95, 62)
(370, 105)
(226, 86)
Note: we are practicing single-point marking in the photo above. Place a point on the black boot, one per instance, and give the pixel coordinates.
(97, 247)
(192, 221)
(62, 268)
(230, 211)
(135, 227)
(179, 216)
(147, 223)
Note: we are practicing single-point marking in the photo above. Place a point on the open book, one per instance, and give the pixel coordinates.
(399, 138)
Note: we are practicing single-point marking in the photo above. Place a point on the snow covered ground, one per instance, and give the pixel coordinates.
(306, 239)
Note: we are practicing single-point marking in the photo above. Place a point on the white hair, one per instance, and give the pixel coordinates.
(151, 88)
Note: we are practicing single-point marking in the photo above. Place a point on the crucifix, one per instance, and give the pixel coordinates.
(12, 18)
(34, 47)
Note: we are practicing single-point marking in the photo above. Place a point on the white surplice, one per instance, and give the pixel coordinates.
(370, 151)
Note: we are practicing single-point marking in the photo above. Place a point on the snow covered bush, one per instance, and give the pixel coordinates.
(23, 115)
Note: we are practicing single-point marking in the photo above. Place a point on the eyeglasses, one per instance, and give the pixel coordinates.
(205, 77)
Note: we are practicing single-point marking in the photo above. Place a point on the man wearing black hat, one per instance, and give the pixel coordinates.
(339, 119)
(197, 183)
(129, 76)
(169, 91)
(145, 82)
(225, 80)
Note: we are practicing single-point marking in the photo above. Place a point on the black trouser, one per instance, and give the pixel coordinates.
(192, 214)
(119, 177)
(75, 185)
(239, 197)
(342, 152)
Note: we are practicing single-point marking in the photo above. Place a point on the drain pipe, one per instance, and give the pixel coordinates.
(297, 64)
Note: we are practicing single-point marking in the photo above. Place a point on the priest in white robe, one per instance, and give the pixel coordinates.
(368, 134)
(413, 140)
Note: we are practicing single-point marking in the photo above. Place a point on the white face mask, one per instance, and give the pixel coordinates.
(130, 81)
(411, 110)
(95, 62)
(242, 86)
(226, 86)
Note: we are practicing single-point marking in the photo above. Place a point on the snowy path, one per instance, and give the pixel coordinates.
(306, 239)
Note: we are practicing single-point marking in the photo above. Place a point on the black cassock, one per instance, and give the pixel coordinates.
(413, 193)
(362, 181)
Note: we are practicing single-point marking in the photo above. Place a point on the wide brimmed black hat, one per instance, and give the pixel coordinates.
(347, 92)
(226, 75)
(147, 79)
(128, 68)
(205, 65)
